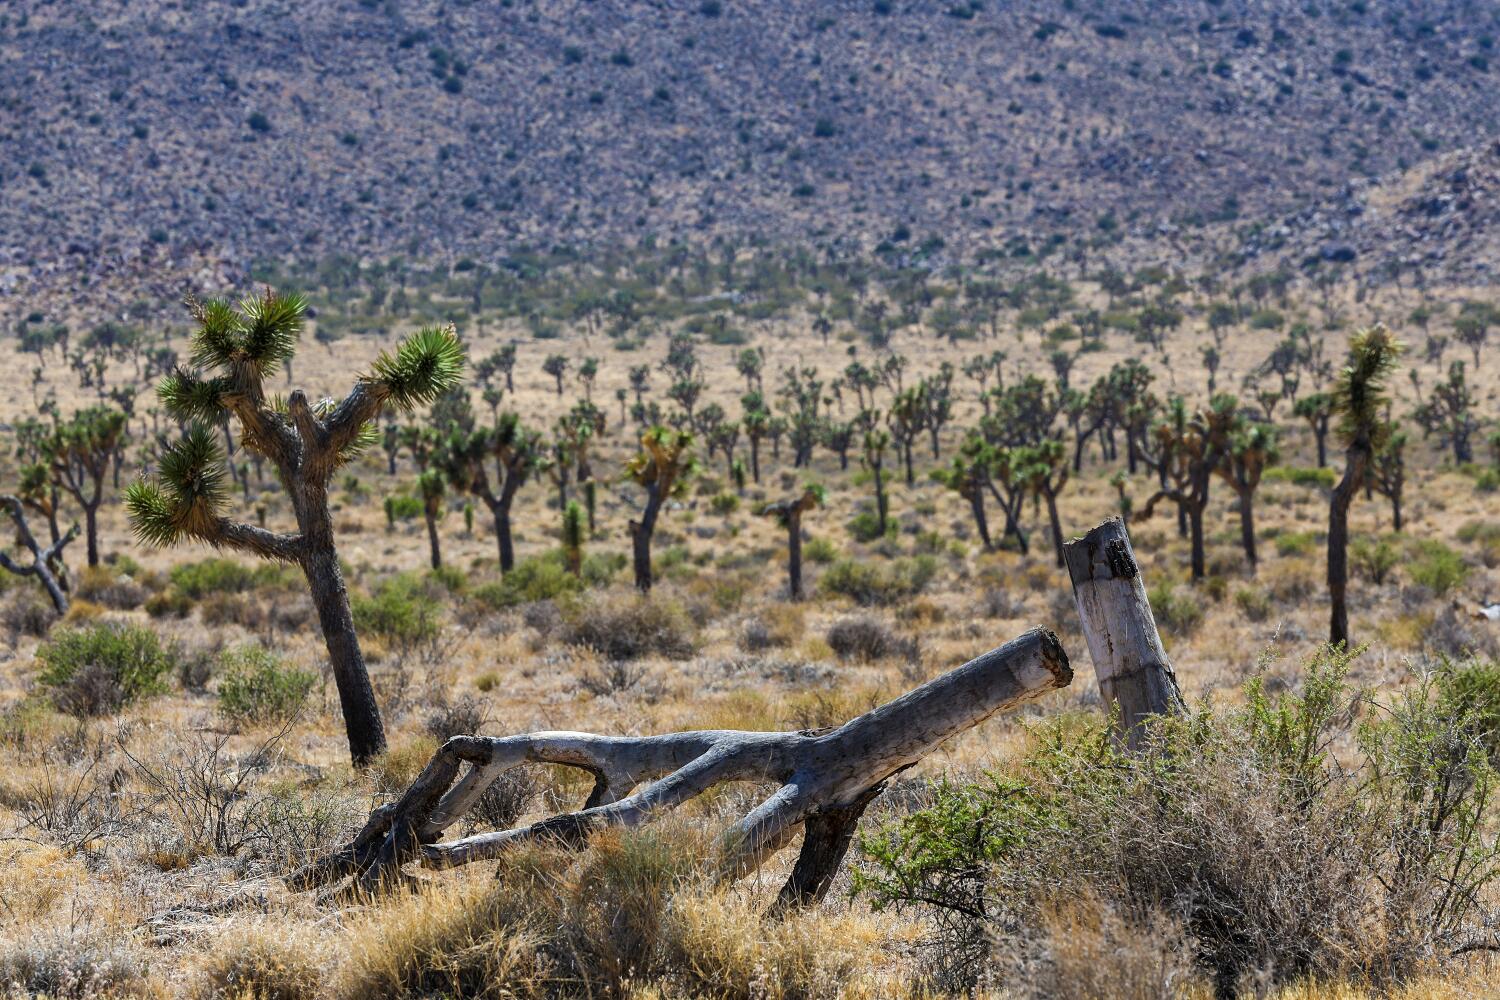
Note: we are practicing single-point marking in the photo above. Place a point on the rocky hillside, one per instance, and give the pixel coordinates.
(154, 137)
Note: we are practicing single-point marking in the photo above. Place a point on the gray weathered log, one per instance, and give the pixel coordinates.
(824, 777)
(1134, 673)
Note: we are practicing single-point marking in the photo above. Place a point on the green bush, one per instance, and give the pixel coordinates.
(403, 611)
(1433, 565)
(258, 687)
(820, 550)
(870, 583)
(1253, 604)
(1323, 478)
(1296, 543)
(1373, 559)
(1471, 692)
(865, 527)
(196, 580)
(1179, 613)
(540, 578)
(400, 507)
(1278, 859)
(627, 628)
(724, 504)
(102, 667)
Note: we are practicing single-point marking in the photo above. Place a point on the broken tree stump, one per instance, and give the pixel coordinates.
(1134, 673)
(824, 779)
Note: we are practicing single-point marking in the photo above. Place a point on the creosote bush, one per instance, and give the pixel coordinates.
(101, 667)
(629, 627)
(1239, 827)
(256, 686)
(879, 583)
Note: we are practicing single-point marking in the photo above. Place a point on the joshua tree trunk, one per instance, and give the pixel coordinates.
(640, 537)
(434, 543)
(1057, 533)
(882, 506)
(356, 697)
(1247, 525)
(794, 555)
(825, 779)
(755, 459)
(1129, 661)
(1338, 545)
(91, 530)
(981, 521)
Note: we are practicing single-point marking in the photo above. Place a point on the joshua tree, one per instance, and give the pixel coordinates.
(307, 442)
(789, 514)
(1449, 413)
(1043, 469)
(967, 475)
(433, 488)
(1317, 410)
(1195, 450)
(906, 421)
(1358, 398)
(518, 454)
(557, 366)
(1388, 473)
(757, 425)
(42, 560)
(79, 454)
(664, 466)
(1251, 449)
(588, 374)
(876, 442)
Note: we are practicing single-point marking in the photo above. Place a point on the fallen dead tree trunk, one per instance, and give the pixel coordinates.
(824, 779)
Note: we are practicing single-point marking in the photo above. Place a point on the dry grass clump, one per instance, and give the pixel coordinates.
(74, 965)
(629, 626)
(633, 916)
(264, 960)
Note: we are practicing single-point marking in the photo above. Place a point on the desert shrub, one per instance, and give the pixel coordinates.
(1179, 612)
(26, 612)
(820, 550)
(101, 667)
(108, 586)
(540, 578)
(629, 627)
(270, 960)
(774, 626)
(865, 527)
(869, 583)
(1253, 604)
(1435, 566)
(404, 612)
(402, 507)
(224, 576)
(1296, 543)
(1278, 860)
(866, 639)
(462, 717)
(724, 504)
(1470, 690)
(1374, 558)
(69, 966)
(257, 686)
(1486, 535)
(1322, 478)
(169, 603)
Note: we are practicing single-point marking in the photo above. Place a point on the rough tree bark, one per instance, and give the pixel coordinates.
(1129, 661)
(824, 779)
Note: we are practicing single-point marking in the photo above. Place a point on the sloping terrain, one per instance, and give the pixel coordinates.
(158, 136)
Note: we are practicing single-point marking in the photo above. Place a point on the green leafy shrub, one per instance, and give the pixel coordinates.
(1278, 860)
(1374, 558)
(257, 686)
(865, 527)
(1296, 543)
(197, 580)
(1471, 692)
(870, 583)
(820, 550)
(1253, 604)
(1179, 613)
(403, 612)
(1320, 478)
(1435, 566)
(724, 504)
(102, 667)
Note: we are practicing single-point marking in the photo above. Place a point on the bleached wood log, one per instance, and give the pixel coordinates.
(824, 779)
(1134, 673)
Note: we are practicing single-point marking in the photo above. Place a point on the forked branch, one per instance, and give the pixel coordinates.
(823, 779)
